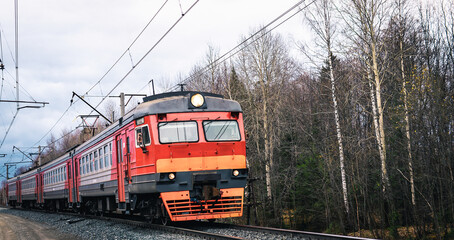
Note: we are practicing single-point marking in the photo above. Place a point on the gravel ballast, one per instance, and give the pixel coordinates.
(92, 228)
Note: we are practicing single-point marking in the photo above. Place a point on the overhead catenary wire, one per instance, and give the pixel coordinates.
(105, 74)
(9, 128)
(7, 45)
(231, 52)
(20, 86)
(148, 52)
(129, 47)
(165, 34)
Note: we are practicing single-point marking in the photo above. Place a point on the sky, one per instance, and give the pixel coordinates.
(67, 46)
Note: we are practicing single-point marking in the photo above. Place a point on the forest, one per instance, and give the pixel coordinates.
(358, 137)
(351, 133)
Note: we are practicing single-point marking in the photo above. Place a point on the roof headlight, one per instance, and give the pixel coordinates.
(197, 100)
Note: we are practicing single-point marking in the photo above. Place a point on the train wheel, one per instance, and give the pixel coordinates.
(165, 219)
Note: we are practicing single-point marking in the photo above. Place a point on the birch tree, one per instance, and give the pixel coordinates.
(401, 26)
(320, 21)
(263, 65)
(364, 20)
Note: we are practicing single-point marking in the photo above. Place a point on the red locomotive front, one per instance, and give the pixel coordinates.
(190, 149)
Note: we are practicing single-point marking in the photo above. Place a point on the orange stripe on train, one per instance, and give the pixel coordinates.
(201, 163)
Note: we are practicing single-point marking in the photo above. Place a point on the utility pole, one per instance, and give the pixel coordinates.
(16, 20)
(7, 170)
(122, 100)
(122, 104)
(40, 149)
(4, 155)
(152, 84)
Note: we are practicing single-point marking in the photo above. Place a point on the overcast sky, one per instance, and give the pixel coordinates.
(67, 46)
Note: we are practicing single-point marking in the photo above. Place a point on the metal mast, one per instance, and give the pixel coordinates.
(16, 13)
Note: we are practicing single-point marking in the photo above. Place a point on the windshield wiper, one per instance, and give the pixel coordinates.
(162, 124)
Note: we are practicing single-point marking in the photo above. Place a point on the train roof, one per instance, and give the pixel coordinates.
(179, 102)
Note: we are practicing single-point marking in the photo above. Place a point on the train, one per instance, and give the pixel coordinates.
(177, 156)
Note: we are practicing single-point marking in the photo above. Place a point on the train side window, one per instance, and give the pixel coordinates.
(105, 156)
(95, 153)
(101, 159)
(110, 154)
(142, 136)
(91, 162)
(86, 165)
(82, 166)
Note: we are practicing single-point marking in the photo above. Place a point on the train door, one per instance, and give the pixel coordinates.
(75, 179)
(40, 187)
(19, 191)
(37, 187)
(69, 182)
(123, 150)
(119, 143)
(128, 155)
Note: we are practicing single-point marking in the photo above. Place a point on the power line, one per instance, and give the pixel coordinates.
(2, 66)
(108, 71)
(9, 48)
(9, 128)
(148, 52)
(204, 69)
(128, 48)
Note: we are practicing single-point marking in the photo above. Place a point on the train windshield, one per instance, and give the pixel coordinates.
(175, 132)
(221, 130)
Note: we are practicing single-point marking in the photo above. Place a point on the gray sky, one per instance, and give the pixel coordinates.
(67, 46)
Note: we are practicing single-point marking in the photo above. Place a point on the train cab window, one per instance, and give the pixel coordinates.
(142, 136)
(175, 132)
(221, 130)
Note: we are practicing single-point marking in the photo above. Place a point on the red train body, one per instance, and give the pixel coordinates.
(178, 156)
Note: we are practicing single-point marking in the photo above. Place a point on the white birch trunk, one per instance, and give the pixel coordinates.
(407, 133)
(375, 120)
(379, 111)
(339, 133)
(407, 117)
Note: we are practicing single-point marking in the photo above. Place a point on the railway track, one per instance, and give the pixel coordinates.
(201, 230)
(290, 234)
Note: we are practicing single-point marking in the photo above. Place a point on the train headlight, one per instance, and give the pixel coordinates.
(197, 100)
(235, 173)
(171, 176)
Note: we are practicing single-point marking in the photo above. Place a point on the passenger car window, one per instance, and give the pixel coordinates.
(221, 130)
(174, 132)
